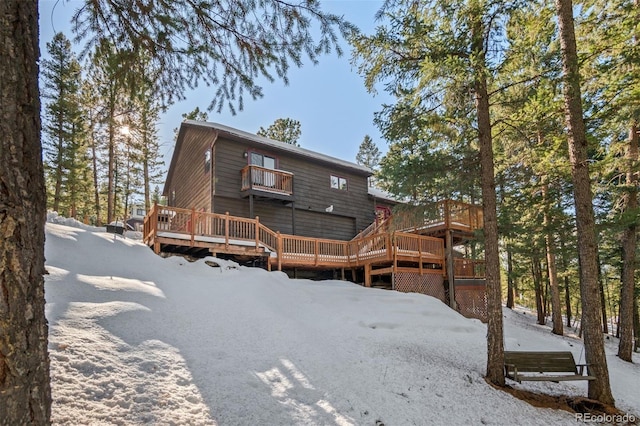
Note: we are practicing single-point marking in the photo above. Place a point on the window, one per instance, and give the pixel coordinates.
(338, 182)
(263, 177)
(262, 160)
(140, 212)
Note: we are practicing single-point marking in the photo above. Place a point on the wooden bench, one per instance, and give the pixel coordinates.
(549, 366)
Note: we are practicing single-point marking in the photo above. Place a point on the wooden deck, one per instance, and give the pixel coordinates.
(378, 252)
(460, 218)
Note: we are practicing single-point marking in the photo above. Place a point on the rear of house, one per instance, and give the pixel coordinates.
(218, 169)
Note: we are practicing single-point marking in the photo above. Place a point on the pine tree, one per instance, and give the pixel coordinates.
(284, 130)
(368, 153)
(109, 78)
(63, 125)
(195, 114)
(144, 118)
(599, 388)
(612, 37)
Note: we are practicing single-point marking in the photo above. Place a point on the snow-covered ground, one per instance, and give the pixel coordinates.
(140, 339)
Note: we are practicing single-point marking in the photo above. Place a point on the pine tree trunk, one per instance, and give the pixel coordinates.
(96, 188)
(510, 284)
(625, 325)
(147, 183)
(25, 395)
(58, 166)
(600, 388)
(556, 317)
(111, 153)
(567, 300)
(603, 300)
(567, 289)
(495, 348)
(636, 325)
(536, 270)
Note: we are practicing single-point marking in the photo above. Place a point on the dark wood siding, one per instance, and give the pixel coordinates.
(353, 209)
(278, 217)
(325, 225)
(229, 161)
(191, 180)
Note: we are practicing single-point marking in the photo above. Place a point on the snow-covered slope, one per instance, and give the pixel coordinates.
(138, 339)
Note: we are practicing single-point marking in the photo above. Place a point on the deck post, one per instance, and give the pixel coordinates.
(395, 255)
(257, 232)
(226, 230)
(367, 275)
(193, 225)
(450, 270)
(420, 254)
(279, 251)
(315, 250)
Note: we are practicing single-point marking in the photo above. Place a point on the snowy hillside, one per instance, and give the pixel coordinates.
(138, 339)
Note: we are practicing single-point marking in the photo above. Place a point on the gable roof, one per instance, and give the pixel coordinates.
(238, 135)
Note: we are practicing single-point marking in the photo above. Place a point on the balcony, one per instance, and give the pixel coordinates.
(440, 217)
(261, 181)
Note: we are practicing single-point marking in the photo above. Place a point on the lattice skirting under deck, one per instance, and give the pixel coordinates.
(472, 301)
(430, 284)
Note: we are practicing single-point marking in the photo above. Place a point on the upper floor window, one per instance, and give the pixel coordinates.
(140, 212)
(262, 160)
(338, 182)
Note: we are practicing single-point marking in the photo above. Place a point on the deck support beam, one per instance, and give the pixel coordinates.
(450, 271)
(367, 275)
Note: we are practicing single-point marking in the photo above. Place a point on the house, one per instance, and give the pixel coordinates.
(234, 193)
(135, 217)
(293, 190)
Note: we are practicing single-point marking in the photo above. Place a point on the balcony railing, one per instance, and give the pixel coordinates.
(447, 214)
(267, 180)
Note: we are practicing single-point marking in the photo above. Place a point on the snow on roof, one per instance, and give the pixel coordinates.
(281, 146)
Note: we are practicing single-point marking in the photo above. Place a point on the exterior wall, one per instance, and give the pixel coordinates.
(353, 209)
(191, 182)
(278, 217)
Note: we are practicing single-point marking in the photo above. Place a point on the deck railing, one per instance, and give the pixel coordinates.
(269, 180)
(290, 249)
(446, 214)
(173, 220)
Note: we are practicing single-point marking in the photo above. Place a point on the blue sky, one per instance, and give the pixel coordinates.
(328, 99)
